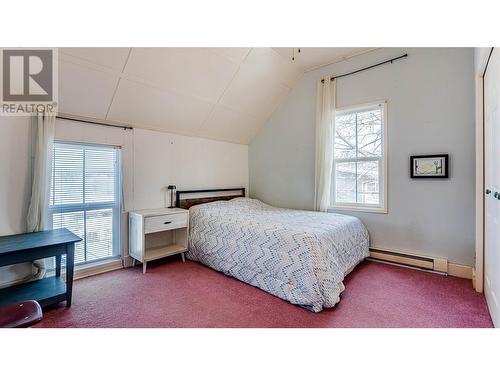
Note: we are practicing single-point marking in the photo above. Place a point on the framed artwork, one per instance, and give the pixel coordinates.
(429, 166)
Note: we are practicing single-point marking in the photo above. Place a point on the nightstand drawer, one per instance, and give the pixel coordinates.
(165, 222)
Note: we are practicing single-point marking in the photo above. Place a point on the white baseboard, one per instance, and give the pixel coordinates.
(92, 269)
(6, 284)
(80, 271)
(459, 270)
(97, 268)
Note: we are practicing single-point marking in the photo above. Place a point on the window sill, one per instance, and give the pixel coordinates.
(373, 210)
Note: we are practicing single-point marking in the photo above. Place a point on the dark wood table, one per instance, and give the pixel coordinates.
(27, 247)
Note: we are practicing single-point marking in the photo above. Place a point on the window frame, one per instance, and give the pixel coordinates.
(115, 206)
(383, 163)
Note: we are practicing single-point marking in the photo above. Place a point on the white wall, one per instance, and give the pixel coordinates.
(430, 99)
(151, 161)
(161, 159)
(15, 182)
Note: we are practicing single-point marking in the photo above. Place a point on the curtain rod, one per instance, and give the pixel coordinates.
(368, 67)
(488, 62)
(94, 122)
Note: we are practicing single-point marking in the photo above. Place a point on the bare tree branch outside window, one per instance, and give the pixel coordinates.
(357, 150)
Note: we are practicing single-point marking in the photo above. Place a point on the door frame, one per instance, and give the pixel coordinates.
(481, 58)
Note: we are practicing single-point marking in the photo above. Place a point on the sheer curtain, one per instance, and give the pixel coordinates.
(37, 220)
(325, 118)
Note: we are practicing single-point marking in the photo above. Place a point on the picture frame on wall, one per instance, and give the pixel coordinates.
(429, 166)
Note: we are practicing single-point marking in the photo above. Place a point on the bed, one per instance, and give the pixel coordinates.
(299, 256)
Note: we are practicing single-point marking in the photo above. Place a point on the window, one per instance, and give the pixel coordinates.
(359, 162)
(85, 198)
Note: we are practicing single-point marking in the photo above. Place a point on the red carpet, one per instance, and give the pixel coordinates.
(177, 294)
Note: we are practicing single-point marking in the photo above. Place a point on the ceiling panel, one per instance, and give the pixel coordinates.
(197, 72)
(84, 91)
(219, 93)
(235, 54)
(270, 65)
(253, 92)
(229, 125)
(151, 108)
(310, 58)
(113, 58)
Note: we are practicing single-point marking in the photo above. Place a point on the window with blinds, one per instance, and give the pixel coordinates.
(85, 198)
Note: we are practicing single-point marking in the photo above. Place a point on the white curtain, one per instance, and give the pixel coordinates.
(37, 220)
(325, 122)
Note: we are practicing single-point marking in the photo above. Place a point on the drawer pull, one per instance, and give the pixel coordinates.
(167, 222)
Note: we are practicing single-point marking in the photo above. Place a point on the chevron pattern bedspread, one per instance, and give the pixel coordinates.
(299, 256)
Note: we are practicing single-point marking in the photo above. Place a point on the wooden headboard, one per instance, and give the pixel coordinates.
(188, 202)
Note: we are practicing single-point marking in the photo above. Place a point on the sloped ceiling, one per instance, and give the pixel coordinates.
(219, 93)
(313, 58)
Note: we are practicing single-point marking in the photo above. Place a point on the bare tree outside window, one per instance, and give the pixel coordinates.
(358, 157)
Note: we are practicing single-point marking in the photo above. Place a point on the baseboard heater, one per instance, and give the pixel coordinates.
(412, 260)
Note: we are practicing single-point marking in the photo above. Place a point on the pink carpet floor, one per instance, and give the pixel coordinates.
(176, 294)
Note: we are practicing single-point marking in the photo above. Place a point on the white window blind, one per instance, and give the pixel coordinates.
(360, 158)
(85, 198)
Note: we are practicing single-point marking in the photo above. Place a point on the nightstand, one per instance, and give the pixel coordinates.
(158, 233)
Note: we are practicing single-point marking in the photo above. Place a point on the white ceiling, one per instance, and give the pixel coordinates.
(220, 93)
(310, 58)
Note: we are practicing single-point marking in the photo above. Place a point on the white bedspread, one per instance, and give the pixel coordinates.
(299, 256)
